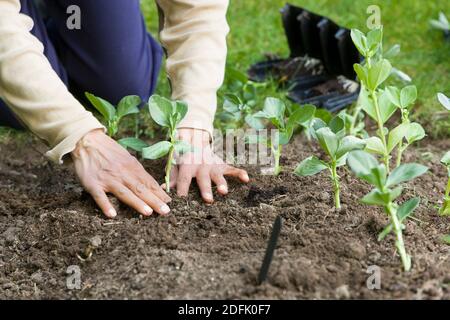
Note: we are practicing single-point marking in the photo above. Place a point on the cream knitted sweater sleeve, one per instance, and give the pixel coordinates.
(194, 36)
(33, 90)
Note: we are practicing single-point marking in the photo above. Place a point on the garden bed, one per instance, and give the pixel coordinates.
(215, 251)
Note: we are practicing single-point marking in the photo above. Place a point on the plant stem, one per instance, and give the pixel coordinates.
(337, 189)
(277, 155)
(406, 259)
(446, 204)
(400, 149)
(380, 130)
(169, 168)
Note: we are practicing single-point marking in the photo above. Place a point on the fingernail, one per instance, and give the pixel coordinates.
(222, 188)
(112, 213)
(148, 210)
(208, 196)
(165, 209)
(246, 177)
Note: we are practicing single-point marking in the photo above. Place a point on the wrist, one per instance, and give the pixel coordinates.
(195, 137)
(86, 141)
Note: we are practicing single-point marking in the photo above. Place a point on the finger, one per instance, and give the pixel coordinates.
(204, 183)
(173, 179)
(146, 194)
(102, 202)
(221, 183)
(130, 199)
(237, 173)
(184, 180)
(153, 187)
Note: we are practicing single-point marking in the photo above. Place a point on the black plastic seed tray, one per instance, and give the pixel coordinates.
(319, 69)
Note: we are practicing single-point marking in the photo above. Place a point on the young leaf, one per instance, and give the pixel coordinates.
(337, 124)
(274, 109)
(306, 113)
(179, 112)
(360, 41)
(396, 136)
(349, 143)
(374, 197)
(253, 122)
(105, 108)
(374, 145)
(408, 96)
(157, 150)
(160, 110)
(328, 141)
(133, 143)
(403, 212)
(230, 106)
(128, 105)
(446, 159)
(361, 72)
(374, 40)
(444, 101)
(379, 72)
(310, 166)
(415, 132)
(387, 108)
(361, 163)
(393, 93)
(404, 173)
(392, 52)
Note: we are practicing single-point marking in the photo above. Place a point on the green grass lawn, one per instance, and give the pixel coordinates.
(256, 28)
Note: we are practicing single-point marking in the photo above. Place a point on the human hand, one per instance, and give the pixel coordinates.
(103, 166)
(203, 165)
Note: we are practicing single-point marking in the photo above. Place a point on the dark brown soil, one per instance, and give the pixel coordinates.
(215, 251)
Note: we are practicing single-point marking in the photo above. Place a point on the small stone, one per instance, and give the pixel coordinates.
(141, 241)
(342, 292)
(37, 277)
(355, 250)
(324, 196)
(96, 241)
(10, 235)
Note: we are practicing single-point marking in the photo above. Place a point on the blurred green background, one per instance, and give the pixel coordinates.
(256, 29)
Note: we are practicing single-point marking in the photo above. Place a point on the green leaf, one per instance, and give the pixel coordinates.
(415, 132)
(274, 108)
(253, 122)
(446, 158)
(393, 93)
(160, 110)
(374, 145)
(182, 147)
(361, 72)
(128, 105)
(105, 108)
(407, 208)
(133, 143)
(446, 239)
(366, 102)
(349, 143)
(405, 172)
(230, 106)
(444, 101)
(396, 136)
(336, 124)
(387, 108)
(310, 166)
(374, 197)
(378, 73)
(408, 96)
(180, 111)
(360, 41)
(374, 40)
(361, 162)
(306, 113)
(328, 141)
(405, 211)
(156, 151)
